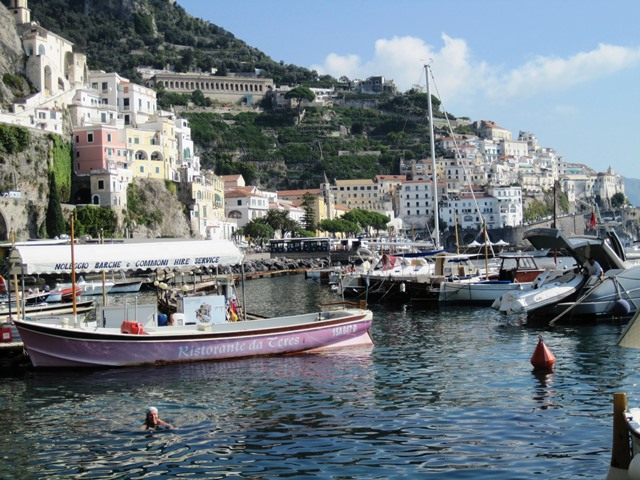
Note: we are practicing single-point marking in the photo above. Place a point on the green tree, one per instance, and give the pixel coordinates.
(618, 199)
(198, 98)
(54, 219)
(276, 219)
(339, 225)
(308, 205)
(280, 221)
(535, 210)
(96, 222)
(257, 230)
(298, 94)
(367, 220)
(14, 138)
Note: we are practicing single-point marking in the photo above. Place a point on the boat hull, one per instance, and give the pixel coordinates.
(51, 346)
(126, 287)
(614, 298)
(45, 310)
(538, 297)
(485, 292)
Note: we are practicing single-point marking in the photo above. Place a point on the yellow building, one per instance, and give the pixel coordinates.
(207, 209)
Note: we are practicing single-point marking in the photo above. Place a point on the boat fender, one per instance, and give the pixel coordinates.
(133, 328)
(163, 320)
(620, 308)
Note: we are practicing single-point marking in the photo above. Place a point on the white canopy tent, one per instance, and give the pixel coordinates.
(474, 244)
(115, 257)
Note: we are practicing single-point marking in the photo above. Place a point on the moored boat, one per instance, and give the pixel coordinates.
(47, 309)
(516, 273)
(209, 327)
(67, 293)
(550, 287)
(612, 296)
(126, 286)
(625, 450)
(135, 344)
(89, 288)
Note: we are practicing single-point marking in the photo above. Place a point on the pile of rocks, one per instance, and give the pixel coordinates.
(278, 265)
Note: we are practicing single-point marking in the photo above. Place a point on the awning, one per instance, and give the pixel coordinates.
(114, 257)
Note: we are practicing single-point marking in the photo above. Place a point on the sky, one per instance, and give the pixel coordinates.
(567, 71)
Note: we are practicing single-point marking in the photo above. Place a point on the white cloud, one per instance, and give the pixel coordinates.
(550, 74)
(460, 78)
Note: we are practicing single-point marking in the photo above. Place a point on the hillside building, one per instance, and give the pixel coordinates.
(236, 89)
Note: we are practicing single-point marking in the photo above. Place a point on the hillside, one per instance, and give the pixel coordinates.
(120, 35)
(270, 150)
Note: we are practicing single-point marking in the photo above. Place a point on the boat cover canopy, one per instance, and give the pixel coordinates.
(579, 247)
(114, 257)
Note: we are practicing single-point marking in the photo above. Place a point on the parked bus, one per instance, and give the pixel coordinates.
(302, 246)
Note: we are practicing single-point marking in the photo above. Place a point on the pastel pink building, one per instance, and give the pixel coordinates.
(99, 147)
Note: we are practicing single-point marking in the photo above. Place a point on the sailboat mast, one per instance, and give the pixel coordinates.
(436, 214)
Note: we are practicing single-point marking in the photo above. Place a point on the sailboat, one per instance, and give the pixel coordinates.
(399, 277)
(436, 213)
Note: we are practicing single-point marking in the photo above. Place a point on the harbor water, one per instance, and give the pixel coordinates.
(444, 393)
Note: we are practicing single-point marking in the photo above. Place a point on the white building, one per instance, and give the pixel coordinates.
(470, 211)
(417, 203)
(244, 204)
(510, 210)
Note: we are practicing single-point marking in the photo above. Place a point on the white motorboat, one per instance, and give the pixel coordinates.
(550, 287)
(614, 296)
(516, 274)
(96, 287)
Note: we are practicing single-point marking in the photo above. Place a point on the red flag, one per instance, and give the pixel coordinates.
(592, 221)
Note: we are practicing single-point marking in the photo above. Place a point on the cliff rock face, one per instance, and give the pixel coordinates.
(164, 208)
(11, 55)
(26, 172)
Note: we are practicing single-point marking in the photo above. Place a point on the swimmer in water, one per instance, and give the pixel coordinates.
(153, 422)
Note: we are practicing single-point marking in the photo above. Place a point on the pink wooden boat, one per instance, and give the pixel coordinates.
(62, 345)
(208, 330)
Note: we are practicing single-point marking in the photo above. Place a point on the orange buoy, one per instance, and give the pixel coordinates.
(542, 358)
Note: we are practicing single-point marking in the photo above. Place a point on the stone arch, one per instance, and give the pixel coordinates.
(157, 156)
(235, 214)
(140, 155)
(95, 200)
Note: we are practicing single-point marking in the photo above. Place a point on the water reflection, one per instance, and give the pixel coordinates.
(448, 393)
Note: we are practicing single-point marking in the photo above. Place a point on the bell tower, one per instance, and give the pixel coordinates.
(20, 10)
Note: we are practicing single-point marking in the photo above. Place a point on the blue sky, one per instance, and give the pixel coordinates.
(566, 70)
